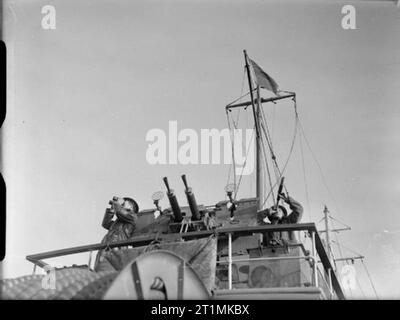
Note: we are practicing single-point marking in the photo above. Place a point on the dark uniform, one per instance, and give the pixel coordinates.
(122, 228)
(294, 217)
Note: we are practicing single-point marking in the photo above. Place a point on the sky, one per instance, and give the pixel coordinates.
(82, 97)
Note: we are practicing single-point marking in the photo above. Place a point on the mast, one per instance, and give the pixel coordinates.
(256, 114)
(260, 174)
(327, 233)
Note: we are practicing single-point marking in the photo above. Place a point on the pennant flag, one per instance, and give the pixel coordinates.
(263, 79)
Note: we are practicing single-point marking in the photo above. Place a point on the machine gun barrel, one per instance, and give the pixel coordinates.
(173, 201)
(194, 209)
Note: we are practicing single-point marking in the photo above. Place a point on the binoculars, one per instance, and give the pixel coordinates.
(113, 200)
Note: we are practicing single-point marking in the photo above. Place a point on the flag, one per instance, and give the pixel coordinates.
(263, 79)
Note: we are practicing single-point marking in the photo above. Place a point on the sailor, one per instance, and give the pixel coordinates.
(123, 227)
(279, 215)
(210, 220)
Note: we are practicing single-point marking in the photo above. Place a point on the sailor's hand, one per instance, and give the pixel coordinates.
(110, 210)
(266, 220)
(156, 214)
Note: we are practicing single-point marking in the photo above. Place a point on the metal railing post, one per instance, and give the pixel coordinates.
(314, 256)
(230, 261)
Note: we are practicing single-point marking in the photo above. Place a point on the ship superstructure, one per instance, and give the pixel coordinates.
(219, 251)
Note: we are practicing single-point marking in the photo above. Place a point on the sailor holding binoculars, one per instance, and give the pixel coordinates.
(279, 215)
(123, 227)
(119, 229)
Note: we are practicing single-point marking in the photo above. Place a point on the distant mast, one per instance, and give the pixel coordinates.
(327, 234)
(256, 114)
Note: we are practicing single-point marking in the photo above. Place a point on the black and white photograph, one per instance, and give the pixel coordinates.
(201, 150)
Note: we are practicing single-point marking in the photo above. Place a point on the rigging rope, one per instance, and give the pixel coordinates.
(370, 279)
(264, 126)
(232, 134)
(322, 219)
(339, 245)
(244, 165)
(305, 178)
(342, 223)
(267, 136)
(241, 96)
(293, 140)
(341, 256)
(269, 175)
(317, 162)
(266, 133)
(361, 289)
(273, 123)
(233, 164)
(271, 192)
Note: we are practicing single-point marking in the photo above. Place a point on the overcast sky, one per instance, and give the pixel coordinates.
(82, 98)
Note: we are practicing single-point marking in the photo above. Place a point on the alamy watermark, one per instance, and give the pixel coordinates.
(48, 21)
(348, 277)
(210, 146)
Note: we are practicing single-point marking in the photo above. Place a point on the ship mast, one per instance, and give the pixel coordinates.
(327, 234)
(256, 104)
(256, 114)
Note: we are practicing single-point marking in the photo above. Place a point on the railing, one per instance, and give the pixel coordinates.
(317, 248)
(317, 280)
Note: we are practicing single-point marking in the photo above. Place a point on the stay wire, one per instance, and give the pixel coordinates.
(244, 164)
(361, 289)
(290, 152)
(241, 96)
(264, 127)
(305, 178)
(233, 165)
(269, 175)
(342, 257)
(342, 223)
(293, 140)
(370, 279)
(233, 134)
(317, 162)
(352, 251)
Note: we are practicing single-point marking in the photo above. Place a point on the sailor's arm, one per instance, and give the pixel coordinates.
(297, 210)
(108, 219)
